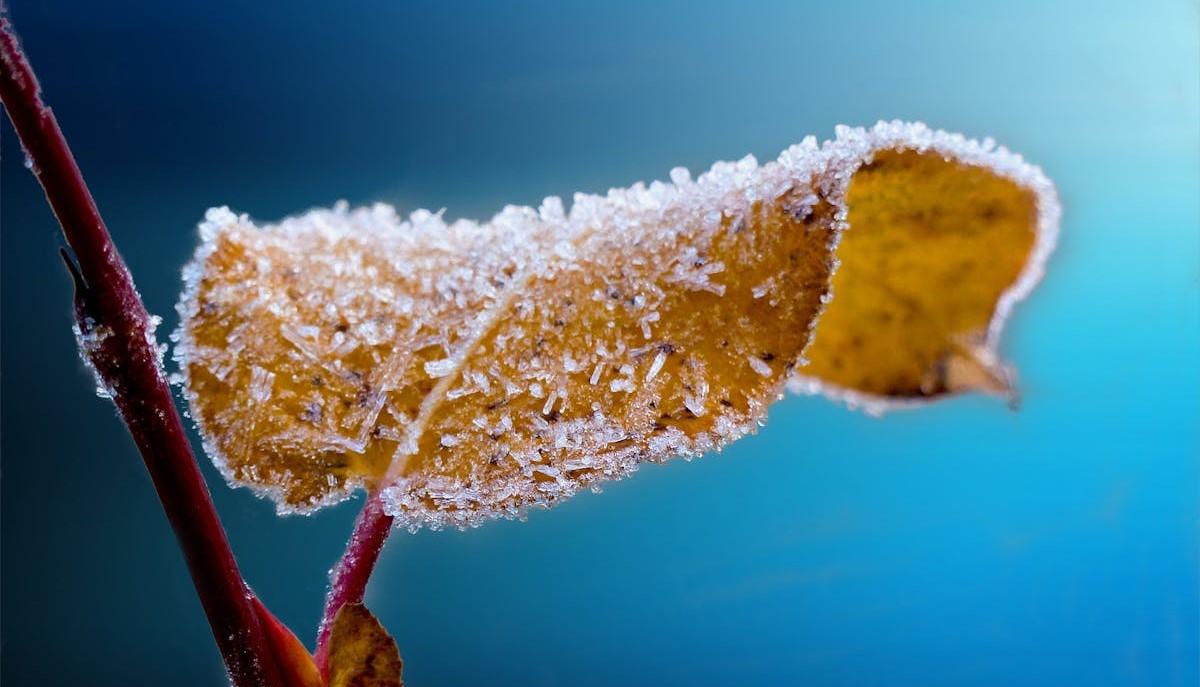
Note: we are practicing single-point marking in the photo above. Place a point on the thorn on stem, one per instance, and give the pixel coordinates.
(72, 267)
(83, 311)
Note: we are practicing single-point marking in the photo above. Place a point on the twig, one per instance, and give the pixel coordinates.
(348, 580)
(119, 342)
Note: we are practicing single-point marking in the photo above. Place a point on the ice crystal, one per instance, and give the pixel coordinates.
(90, 337)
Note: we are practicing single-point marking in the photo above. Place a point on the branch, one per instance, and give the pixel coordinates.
(348, 580)
(117, 337)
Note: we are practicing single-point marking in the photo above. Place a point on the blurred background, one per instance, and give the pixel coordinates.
(963, 544)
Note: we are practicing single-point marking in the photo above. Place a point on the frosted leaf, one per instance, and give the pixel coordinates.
(512, 348)
(471, 371)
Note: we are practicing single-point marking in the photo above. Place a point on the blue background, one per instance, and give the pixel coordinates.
(963, 544)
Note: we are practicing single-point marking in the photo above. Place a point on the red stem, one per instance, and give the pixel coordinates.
(123, 352)
(348, 580)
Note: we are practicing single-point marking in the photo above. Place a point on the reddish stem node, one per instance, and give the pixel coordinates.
(123, 350)
(348, 579)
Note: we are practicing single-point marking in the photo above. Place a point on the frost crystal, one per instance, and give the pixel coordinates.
(90, 343)
(439, 368)
(759, 366)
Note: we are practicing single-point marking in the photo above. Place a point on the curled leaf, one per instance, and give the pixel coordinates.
(471, 370)
(942, 236)
(361, 652)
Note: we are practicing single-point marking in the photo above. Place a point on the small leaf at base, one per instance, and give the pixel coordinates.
(361, 652)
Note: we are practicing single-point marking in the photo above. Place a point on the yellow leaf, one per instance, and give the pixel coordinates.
(361, 652)
(943, 236)
(472, 370)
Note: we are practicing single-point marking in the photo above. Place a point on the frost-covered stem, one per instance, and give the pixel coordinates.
(121, 346)
(348, 579)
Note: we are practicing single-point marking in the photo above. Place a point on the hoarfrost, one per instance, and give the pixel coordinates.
(90, 344)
